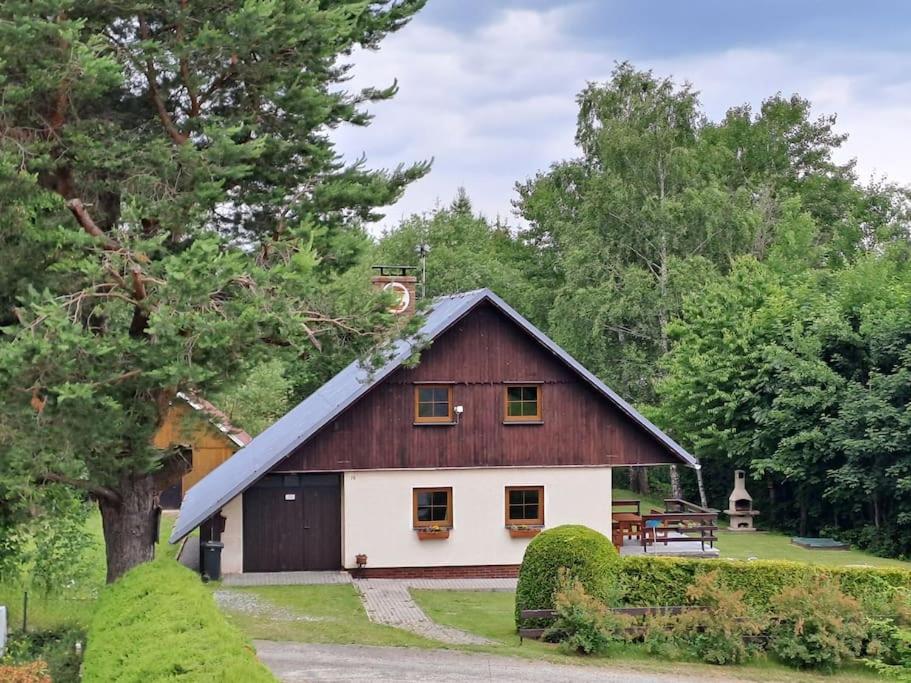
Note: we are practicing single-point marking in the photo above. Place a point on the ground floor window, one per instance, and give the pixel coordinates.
(524, 505)
(432, 507)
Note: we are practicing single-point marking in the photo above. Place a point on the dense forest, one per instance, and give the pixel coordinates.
(176, 217)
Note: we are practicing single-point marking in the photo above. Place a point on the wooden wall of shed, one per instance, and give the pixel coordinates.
(211, 447)
(480, 353)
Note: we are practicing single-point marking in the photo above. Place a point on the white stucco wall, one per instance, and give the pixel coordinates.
(377, 513)
(232, 556)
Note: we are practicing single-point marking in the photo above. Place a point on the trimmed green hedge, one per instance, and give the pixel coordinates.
(664, 580)
(158, 622)
(588, 555)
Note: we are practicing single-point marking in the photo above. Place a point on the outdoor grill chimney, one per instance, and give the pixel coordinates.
(740, 505)
(396, 279)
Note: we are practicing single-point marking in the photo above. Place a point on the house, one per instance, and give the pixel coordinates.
(206, 432)
(443, 468)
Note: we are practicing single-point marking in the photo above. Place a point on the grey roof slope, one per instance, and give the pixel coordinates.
(303, 421)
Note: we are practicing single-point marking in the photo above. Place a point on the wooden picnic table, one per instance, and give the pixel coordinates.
(626, 525)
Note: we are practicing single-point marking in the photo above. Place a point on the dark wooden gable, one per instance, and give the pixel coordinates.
(479, 354)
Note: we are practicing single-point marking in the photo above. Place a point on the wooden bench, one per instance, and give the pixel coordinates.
(631, 505)
(702, 524)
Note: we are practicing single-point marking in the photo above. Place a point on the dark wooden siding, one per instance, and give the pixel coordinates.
(480, 353)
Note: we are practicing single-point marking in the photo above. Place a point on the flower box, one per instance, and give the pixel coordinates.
(432, 534)
(524, 531)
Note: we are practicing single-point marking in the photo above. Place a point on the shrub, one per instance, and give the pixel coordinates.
(159, 622)
(816, 626)
(718, 635)
(664, 580)
(54, 647)
(889, 640)
(583, 624)
(659, 636)
(34, 672)
(889, 649)
(587, 556)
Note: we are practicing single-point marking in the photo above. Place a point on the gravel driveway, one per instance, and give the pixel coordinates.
(298, 662)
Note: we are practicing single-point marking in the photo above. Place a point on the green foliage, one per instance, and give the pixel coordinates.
(665, 580)
(661, 199)
(888, 643)
(174, 214)
(889, 649)
(56, 647)
(721, 634)
(48, 549)
(259, 399)
(583, 624)
(157, 622)
(62, 547)
(466, 252)
(816, 626)
(803, 378)
(583, 554)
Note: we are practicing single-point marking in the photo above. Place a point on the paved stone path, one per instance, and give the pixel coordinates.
(388, 601)
(299, 662)
(496, 585)
(286, 578)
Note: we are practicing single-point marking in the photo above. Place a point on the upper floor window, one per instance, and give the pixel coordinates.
(432, 403)
(522, 403)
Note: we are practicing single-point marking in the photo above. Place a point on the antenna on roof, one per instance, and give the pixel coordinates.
(422, 250)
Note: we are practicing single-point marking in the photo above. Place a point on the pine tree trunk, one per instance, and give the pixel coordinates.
(129, 526)
(676, 490)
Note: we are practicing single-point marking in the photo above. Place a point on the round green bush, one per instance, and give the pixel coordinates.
(587, 556)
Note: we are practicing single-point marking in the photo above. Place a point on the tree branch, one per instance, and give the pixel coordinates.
(139, 288)
(85, 220)
(94, 489)
(152, 79)
(185, 67)
(220, 80)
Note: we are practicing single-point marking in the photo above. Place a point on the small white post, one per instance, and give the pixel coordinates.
(2, 630)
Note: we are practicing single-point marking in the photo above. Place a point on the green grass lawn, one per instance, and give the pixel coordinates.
(316, 614)
(72, 605)
(490, 614)
(768, 545)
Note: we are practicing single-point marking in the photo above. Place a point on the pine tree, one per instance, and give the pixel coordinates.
(172, 205)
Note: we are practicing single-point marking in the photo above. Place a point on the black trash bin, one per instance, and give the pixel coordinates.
(211, 559)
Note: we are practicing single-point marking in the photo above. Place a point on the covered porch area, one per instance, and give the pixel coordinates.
(678, 528)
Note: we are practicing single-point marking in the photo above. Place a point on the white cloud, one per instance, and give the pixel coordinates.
(497, 105)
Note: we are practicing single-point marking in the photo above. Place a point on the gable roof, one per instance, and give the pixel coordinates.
(217, 418)
(274, 444)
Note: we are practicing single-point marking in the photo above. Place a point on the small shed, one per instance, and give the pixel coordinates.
(205, 431)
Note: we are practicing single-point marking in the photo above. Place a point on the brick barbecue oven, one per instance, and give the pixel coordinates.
(740, 505)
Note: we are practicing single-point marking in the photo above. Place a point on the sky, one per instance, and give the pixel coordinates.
(487, 87)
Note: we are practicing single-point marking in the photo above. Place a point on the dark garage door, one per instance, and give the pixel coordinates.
(292, 522)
